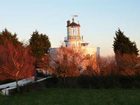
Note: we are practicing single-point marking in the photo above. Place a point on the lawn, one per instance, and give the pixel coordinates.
(61, 96)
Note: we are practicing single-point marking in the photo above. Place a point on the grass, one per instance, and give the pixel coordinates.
(61, 96)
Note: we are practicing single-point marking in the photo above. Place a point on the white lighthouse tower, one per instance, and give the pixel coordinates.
(73, 38)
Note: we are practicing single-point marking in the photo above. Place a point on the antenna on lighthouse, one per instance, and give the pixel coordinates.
(74, 16)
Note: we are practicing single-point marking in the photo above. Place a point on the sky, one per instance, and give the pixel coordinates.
(99, 19)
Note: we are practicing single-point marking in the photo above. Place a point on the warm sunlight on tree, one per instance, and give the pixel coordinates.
(126, 53)
(16, 61)
(71, 62)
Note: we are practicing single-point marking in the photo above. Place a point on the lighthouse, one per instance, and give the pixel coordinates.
(75, 44)
(73, 39)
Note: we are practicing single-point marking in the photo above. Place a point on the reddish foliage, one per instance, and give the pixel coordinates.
(15, 61)
(67, 62)
(126, 64)
(43, 62)
(71, 62)
(107, 65)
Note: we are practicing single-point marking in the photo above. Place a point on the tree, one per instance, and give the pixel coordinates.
(16, 61)
(39, 44)
(70, 62)
(107, 66)
(126, 53)
(122, 44)
(6, 35)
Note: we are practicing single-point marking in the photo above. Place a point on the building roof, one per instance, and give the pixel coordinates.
(73, 24)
